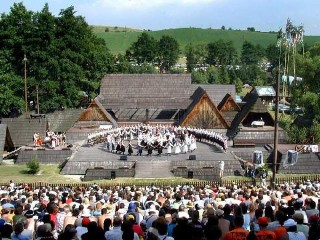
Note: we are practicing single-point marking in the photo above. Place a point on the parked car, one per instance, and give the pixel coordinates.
(282, 108)
(288, 109)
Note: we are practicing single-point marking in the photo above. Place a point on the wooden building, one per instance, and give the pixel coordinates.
(162, 99)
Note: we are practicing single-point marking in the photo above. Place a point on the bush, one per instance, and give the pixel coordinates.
(33, 166)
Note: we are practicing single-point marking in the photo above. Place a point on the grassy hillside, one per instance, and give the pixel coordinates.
(119, 42)
(102, 29)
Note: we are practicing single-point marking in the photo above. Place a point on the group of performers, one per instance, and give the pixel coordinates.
(174, 140)
(52, 139)
(55, 139)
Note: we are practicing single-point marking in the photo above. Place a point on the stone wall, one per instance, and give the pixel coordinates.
(44, 156)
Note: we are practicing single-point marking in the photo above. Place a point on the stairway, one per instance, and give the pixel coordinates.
(153, 169)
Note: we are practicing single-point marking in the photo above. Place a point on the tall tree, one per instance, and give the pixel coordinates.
(249, 54)
(221, 53)
(168, 53)
(15, 33)
(144, 50)
(64, 57)
(196, 56)
(272, 54)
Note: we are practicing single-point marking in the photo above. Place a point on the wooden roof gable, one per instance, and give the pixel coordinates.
(216, 92)
(203, 113)
(96, 112)
(228, 104)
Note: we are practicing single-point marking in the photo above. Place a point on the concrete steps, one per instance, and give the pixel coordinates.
(153, 169)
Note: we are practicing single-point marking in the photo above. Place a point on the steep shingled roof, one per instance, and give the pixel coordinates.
(216, 92)
(141, 91)
(62, 121)
(22, 129)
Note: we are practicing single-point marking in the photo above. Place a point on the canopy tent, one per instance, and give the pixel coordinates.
(290, 79)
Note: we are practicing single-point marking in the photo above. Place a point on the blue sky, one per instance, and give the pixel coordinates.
(263, 15)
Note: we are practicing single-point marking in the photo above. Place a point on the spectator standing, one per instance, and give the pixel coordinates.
(238, 233)
(264, 233)
(115, 233)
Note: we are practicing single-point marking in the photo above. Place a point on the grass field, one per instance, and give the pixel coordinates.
(49, 174)
(119, 41)
(19, 174)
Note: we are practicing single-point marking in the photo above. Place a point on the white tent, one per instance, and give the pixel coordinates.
(291, 78)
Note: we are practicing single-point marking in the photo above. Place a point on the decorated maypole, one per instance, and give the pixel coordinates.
(290, 39)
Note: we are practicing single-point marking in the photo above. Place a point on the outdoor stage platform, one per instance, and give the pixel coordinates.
(205, 166)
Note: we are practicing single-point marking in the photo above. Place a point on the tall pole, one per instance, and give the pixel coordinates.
(275, 148)
(37, 90)
(25, 86)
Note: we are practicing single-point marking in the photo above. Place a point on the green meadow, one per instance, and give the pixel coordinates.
(119, 40)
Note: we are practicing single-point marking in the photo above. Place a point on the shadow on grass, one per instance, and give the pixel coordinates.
(25, 171)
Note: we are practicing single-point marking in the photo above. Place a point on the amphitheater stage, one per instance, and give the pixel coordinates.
(205, 166)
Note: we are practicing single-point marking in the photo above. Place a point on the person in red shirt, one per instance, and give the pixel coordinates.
(264, 233)
(238, 233)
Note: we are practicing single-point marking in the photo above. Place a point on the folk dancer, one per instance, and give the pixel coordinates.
(193, 143)
(149, 149)
(122, 147)
(130, 151)
(169, 147)
(35, 139)
(53, 140)
(177, 148)
(139, 152)
(185, 145)
(118, 148)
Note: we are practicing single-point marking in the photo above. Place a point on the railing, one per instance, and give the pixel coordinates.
(167, 182)
(9, 154)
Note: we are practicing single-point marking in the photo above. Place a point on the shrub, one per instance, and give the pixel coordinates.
(33, 165)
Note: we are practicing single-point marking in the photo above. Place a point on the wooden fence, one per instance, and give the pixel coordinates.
(166, 182)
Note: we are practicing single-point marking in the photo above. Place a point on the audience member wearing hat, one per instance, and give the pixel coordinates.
(153, 215)
(130, 218)
(132, 209)
(291, 226)
(264, 233)
(223, 223)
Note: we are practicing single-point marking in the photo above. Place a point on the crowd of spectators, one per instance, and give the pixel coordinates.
(290, 211)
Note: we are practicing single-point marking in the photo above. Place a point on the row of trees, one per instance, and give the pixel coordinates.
(64, 59)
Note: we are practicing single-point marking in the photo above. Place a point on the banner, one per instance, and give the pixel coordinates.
(257, 159)
(291, 158)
